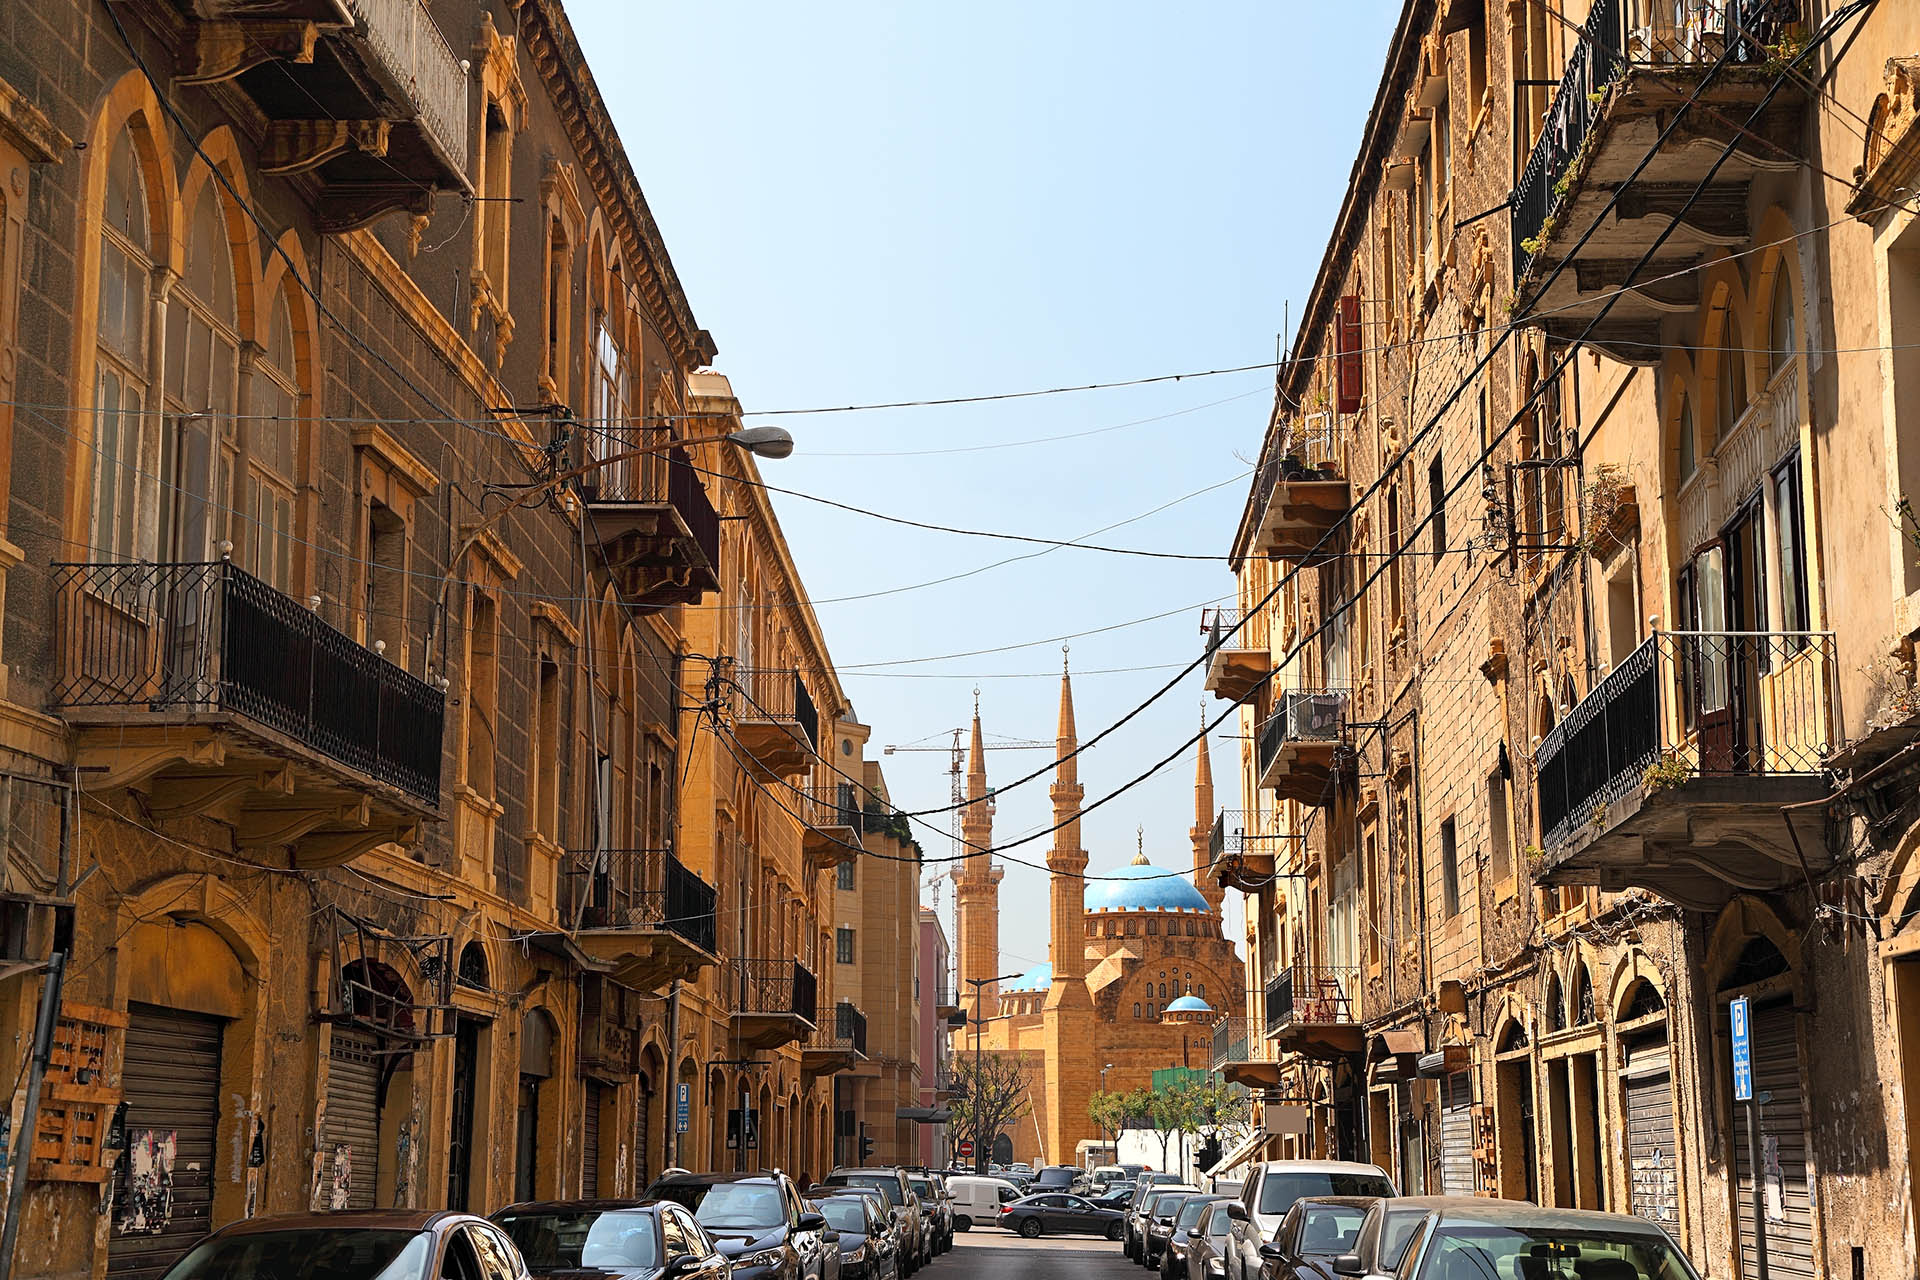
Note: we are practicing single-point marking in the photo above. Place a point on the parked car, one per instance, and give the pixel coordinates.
(1273, 1186)
(1105, 1177)
(1118, 1198)
(1389, 1226)
(905, 1206)
(1058, 1213)
(895, 1226)
(1475, 1237)
(1059, 1177)
(1316, 1230)
(932, 1190)
(391, 1244)
(629, 1239)
(1157, 1225)
(1173, 1257)
(1144, 1183)
(1209, 1239)
(978, 1200)
(758, 1220)
(867, 1249)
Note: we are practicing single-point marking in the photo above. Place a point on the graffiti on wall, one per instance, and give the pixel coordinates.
(148, 1205)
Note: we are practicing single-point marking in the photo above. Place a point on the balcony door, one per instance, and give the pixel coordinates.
(1722, 605)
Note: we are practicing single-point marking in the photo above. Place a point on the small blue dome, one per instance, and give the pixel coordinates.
(1038, 978)
(1189, 1004)
(1142, 886)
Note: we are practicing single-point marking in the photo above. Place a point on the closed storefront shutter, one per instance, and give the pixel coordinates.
(590, 1142)
(353, 1119)
(163, 1193)
(1783, 1155)
(1651, 1155)
(1456, 1135)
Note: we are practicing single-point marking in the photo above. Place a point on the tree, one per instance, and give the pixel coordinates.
(1194, 1106)
(990, 1094)
(1117, 1112)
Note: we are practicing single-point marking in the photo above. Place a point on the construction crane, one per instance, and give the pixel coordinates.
(957, 770)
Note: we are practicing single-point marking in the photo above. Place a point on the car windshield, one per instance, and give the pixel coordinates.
(845, 1213)
(1166, 1206)
(1550, 1254)
(1279, 1190)
(922, 1185)
(1332, 1228)
(584, 1238)
(1190, 1213)
(309, 1253)
(887, 1184)
(731, 1206)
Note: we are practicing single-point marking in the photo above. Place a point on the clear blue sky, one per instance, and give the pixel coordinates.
(873, 202)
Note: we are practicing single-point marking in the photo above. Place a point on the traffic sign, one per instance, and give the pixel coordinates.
(966, 1148)
(682, 1106)
(1742, 1051)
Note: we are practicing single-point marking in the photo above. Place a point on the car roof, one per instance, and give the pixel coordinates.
(714, 1179)
(1473, 1210)
(864, 1168)
(563, 1206)
(1321, 1166)
(353, 1220)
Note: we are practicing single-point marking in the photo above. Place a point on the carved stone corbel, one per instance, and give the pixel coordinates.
(295, 146)
(218, 51)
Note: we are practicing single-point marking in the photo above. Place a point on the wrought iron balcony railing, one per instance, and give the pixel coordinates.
(776, 695)
(1617, 37)
(414, 53)
(1302, 716)
(643, 888)
(1217, 625)
(666, 479)
(1231, 1038)
(1316, 994)
(1697, 704)
(775, 987)
(846, 1033)
(196, 639)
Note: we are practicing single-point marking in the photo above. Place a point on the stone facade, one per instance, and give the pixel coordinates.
(1576, 660)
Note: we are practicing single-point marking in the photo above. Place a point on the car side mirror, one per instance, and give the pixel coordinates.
(1349, 1264)
(1237, 1211)
(813, 1222)
(1273, 1252)
(679, 1265)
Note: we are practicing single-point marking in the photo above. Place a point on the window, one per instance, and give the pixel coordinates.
(1781, 340)
(1499, 826)
(1788, 526)
(482, 693)
(1449, 869)
(1393, 552)
(1730, 382)
(1437, 499)
(1201, 990)
(544, 799)
(199, 443)
(1476, 68)
(843, 877)
(606, 399)
(383, 603)
(1687, 461)
(559, 312)
(1531, 65)
(1153, 925)
(272, 432)
(120, 388)
(843, 945)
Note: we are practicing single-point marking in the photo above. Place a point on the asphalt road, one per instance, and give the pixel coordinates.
(988, 1253)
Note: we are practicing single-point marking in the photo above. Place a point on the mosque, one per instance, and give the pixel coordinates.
(1138, 963)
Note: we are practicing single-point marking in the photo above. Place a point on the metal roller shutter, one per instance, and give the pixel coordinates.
(1456, 1135)
(1783, 1156)
(1652, 1154)
(590, 1142)
(353, 1118)
(163, 1193)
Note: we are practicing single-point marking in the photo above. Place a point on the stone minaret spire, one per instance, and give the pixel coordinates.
(976, 884)
(1073, 1073)
(1202, 834)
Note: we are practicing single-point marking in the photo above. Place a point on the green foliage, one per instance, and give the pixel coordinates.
(1667, 772)
(1202, 1106)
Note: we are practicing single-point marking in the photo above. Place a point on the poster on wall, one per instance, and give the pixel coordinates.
(148, 1205)
(342, 1187)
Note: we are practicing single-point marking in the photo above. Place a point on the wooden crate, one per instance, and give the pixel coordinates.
(76, 1102)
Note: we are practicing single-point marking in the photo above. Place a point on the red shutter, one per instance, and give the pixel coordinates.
(1348, 337)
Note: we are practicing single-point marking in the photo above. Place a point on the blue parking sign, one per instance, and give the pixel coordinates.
(1742, 1050)
(682, 1106)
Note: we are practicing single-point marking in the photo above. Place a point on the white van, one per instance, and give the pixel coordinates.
(979, 1200)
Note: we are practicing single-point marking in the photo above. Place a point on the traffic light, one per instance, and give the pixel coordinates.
(866, 1144)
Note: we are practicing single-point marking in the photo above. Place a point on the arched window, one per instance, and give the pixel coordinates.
(202, 444)
(1152, 1011)
(273, 436)
(1688, 460)
(1556, 1005)
(1782, 341)
(1583, 1010)
(120, 389)
(1643, 1002)
(1136, 1008)
(1730, 381)
(1153, 925)
(1163, 991)
(1202, 990)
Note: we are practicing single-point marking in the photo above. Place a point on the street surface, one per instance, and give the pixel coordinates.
(988, 1253)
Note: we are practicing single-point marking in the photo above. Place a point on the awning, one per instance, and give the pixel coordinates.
(924, 1115)
(1254, 1075)
(1245, 1150)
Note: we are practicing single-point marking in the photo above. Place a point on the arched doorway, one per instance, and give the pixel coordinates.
(366, 1069)
(537, 1034)
(1514, 1113)
(1002, 1149)
(471, 1048)
(1646, 1086)
(649, 1128)
(1761, 971)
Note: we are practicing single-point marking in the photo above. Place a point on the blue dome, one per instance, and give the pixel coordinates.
(1189, 1004)
(1141, 886)
(1038, 978)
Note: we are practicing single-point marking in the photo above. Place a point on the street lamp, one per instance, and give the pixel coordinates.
(1104, 1139)
(979, 1139)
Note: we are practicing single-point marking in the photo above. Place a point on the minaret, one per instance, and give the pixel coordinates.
(1072, 1072)
(976, 885)
(1204, 878)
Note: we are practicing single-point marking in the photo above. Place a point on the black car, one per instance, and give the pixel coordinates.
(1060, 1214)
(867, 1250)
(628, 1239)
(1390, 1225)
(1173, 1256)
(1315, 1232)
(1116, 1200)
(1159, 1226)
(1211, 1239)
(758, 1220)
(915, 1234)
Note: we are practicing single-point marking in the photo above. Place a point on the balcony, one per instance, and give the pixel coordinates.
(832, 834)
(1634, 68)
(658, 534)
(395, 125)
(838, 1045)
(642, 913)
(1303, 745)
(1671, 775)
(1303, 511)
(1241, 856)
(773, 1003)
(219, 697)
(945, 1003)
(1310, 1012)
(1235, 666)
(775, 724)
(1231, 1037)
